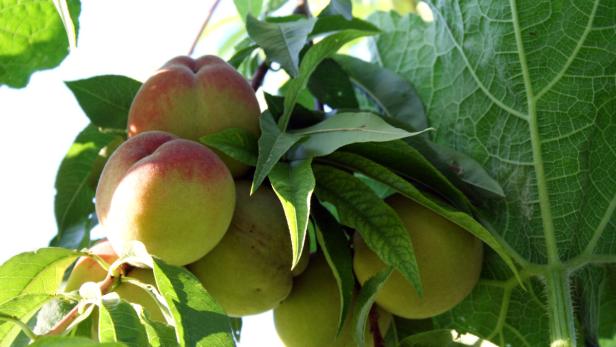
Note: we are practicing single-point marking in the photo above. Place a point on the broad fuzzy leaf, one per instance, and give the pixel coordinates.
(527, 89)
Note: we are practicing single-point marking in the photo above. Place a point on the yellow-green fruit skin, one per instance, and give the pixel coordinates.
(249, 271)
(175, 196)
(308, 317)
(88, 270)
(449, 260)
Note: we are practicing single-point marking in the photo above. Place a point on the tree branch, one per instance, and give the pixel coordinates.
(210, 13)
(259, 76)
(104, 285)
(374, 327)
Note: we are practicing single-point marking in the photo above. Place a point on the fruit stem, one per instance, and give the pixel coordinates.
(210, 13)
(562, 321)
(374, 327)
(104, 285)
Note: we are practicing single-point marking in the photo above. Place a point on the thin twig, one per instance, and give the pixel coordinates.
(374, 328)
(104, 285)
(302, 8)
(259, 76)
(210, 13)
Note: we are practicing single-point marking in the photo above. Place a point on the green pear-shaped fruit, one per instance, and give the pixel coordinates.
(308, 317)
(449, 260)
(88, 270)
(249, 271)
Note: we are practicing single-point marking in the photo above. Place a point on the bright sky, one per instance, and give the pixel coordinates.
(131, 38)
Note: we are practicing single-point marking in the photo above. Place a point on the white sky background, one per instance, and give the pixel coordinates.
(39, 123)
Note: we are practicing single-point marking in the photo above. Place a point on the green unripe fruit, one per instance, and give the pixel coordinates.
(249, 271)
(88, 270)
(308, 317)
(448, 257)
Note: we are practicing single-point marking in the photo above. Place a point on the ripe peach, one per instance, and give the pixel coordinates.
(174, 195)
(195, 97)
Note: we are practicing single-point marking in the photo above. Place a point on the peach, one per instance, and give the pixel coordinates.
(195, 97)
(174, 195)
(448, 257)
(249, 271)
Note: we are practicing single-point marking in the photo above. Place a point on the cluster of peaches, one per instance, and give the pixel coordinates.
(191, 206)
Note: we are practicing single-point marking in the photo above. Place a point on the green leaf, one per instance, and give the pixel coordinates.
(433, 338)
(301, 117)
(335, 247)
(378, 224)
(51, 313)
(365, 302)
(395, 96)
(294, 184)
(32, 38)
(159, 334)
(331, 85)
(22, 307)
(338, 7)
(241, 55)
(65, 341)
(239, 144)
(342, 129)
(38, 272)
(281, 42)
(118, 321)
(375, 171)
(248, 7)
(273, 144)
(313, 57)
(530, 97)
(75, 189)
(273, 5)
(328, 24)
(105, 99)
(409, 163)
(199, 320)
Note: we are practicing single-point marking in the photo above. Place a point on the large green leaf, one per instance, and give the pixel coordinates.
(528, 89)
(248, 7)
(32, 38)
(199, 320)
(360, 208)
(282, 42)
(38, 272)
(65, 341)
(294, 183)
(105, 99)
(119, 322)
(76, 179)
(21, 307)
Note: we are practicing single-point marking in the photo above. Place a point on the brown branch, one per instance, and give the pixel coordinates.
(374, 328)
(259, 76)
(210, 13)
(104, 285)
